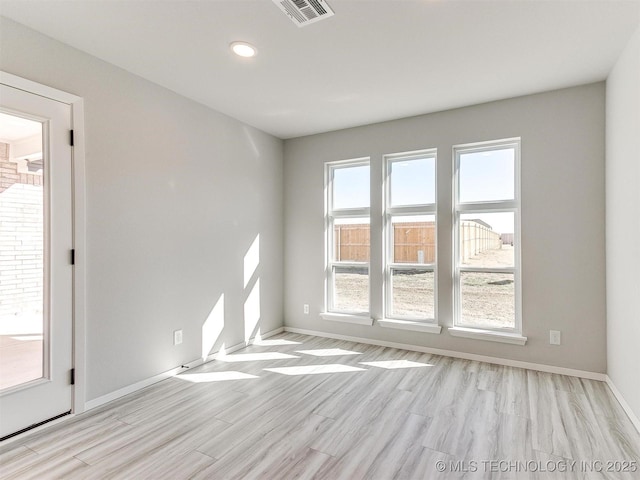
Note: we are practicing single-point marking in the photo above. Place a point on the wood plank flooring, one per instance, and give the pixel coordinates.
(295, 406)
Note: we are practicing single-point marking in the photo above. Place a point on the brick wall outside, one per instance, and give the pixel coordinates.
(21, 238)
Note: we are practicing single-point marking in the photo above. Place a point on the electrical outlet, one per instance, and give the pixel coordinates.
(177, 337)
(554, 337)
(306, 309)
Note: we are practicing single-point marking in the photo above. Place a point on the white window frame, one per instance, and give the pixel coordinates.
(331, 215)
(507, 335)
(425, 324)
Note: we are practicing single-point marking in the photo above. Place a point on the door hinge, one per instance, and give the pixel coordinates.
(71, 137)
(73, 256)
(72, 376)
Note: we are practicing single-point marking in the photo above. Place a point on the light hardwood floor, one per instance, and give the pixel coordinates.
(297, 406)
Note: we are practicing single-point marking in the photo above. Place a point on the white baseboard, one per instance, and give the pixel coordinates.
(623, 403)
(109, 397)
(452, 353)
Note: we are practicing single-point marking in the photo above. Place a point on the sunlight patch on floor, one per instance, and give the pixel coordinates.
(315, 369)
(277, 342)
(328, 352)
(393, 364)
(252, 357)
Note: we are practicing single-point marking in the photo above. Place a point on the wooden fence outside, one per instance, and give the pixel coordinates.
(412, 242)
(352, 243)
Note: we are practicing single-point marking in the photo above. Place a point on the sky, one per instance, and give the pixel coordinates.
(487, 176)
(484, 176)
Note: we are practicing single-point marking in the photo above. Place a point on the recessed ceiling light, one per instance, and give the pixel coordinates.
(243, 49)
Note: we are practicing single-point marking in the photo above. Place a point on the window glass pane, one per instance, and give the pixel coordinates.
(22, 282)
(487, 239)
(412, 294)
(351, 187)
(350, 289)
(487, 176)
(488, 300)
(414, 239)
(351, 240)
(413, 182)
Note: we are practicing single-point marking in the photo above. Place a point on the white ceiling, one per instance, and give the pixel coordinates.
(372, 61)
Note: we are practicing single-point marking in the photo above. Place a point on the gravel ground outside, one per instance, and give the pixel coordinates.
(413, 295)
(351, 292)
(485, 304)
(487, 298)
(500, 257)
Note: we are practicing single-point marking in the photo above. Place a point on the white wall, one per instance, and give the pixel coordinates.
(562, 212)
(176, 195)
(623, 223)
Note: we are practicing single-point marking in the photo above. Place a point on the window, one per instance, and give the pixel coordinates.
(486, 277)
(348, 237)
(410, 233)
(487, 236)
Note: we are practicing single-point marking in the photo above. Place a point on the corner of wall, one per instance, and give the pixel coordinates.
(622, 224)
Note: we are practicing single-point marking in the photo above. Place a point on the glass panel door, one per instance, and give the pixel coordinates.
(22, 278)
(36, 238)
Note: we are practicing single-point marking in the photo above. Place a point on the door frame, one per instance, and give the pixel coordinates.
(79, 225)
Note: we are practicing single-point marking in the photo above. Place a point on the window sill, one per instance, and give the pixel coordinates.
(489, 335)
(410, 325)
(347, 318)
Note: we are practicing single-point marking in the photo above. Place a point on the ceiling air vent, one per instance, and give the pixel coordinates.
(304, 12)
